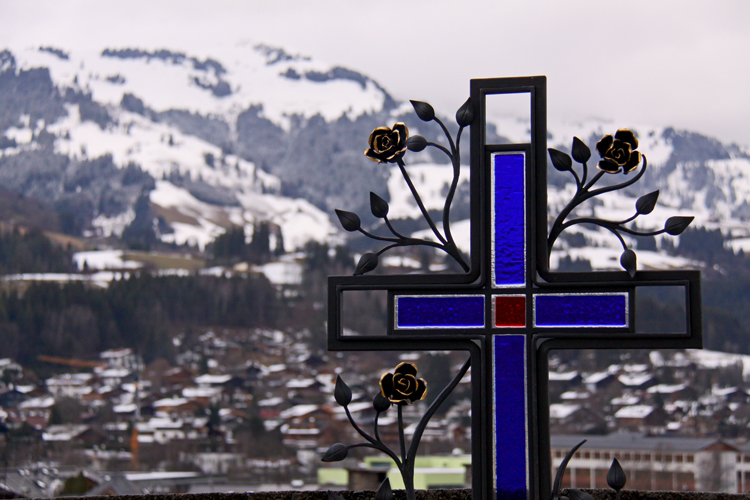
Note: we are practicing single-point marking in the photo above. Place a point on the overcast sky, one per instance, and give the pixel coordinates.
(662, 62)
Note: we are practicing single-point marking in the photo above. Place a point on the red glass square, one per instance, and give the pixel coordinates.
(510, 311)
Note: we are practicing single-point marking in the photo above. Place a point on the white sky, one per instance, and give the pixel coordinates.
(663, 62)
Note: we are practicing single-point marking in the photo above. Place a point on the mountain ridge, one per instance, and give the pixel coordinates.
(93, 133)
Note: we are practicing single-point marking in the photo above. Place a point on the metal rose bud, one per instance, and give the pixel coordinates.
(580, 152)
(336, 453)
(349, 220)
(465, 114)
(676, 225)
(380, 403)
(367, 263)
(416, 143)
(378, 206)
(424, 111)
(341, 393)
(628, 262)
(560, 160)
(616, 477)
(646, 203)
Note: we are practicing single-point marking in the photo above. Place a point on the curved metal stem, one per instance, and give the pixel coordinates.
(441, 148)
(447, 134)
(388, 223)
(376, 237)
(585, 174)
(610, 226)
(377, 444)
(375, 426)
(583, 195)
(401, 438)
(607, 189)
(419, 201)
(579, 183)
(356, 427)
(417, 437)
(643, 233)
(456, 162)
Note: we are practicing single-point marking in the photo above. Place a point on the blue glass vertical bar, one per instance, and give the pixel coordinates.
(581, 310)
(509, 221)
(511, 441)
(442, 311)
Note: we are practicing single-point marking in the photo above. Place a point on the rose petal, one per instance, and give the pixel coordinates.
(603, 146)
(632, 164)
(421, 391)
(377, 133)
(608, 166)
(626, 135)
(406, 369)
(403, 133)
(375, 156)
(386, 385)
(404, 384)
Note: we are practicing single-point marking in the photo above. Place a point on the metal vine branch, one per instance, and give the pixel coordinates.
(400, 388)
(618, 154)
(388, 145)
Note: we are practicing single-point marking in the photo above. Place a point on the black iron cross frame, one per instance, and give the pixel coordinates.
(508, 311)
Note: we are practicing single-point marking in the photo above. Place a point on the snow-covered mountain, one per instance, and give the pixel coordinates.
(125, 141)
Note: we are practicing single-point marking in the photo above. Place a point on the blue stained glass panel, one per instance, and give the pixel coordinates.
(511, 440)
(509, 219)
(581, 310)
(454, 311)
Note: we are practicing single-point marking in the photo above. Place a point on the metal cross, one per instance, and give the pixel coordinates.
(508, 311)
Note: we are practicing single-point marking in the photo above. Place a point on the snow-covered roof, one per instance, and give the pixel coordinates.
(271, 401)
(300, 383)
(64, 432)
(574, 395)
(200, 392)
(635, 380)
(208, 379)
(559, 410)
(562, 377)
(298, 411)
(43, 402)
(171, 402)
(635, 411)
(666, 388)
(595, 378)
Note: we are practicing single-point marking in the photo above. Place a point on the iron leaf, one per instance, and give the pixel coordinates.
(560, 160)
(580, 151)
(676, 225)
(367, 263)
(378, 206)
(465, 114)
(646, 203)
(384, 492)
(380, 403)
(629, 262)
(341, 393)
(616, 476)
(336, 453)
(424, 111)
(416, 143)
(349, 220)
